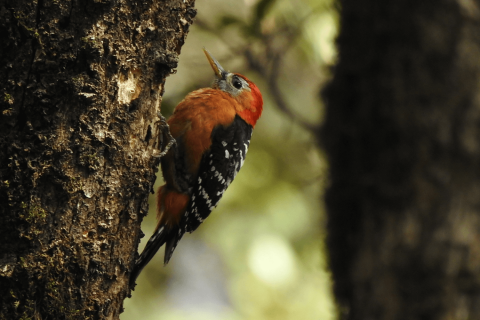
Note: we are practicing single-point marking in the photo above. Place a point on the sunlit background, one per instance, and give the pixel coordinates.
(260, 254)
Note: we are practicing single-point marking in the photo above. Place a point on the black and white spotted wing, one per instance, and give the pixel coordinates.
(218, 168)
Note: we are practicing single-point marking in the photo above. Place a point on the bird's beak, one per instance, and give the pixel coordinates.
(217, 68)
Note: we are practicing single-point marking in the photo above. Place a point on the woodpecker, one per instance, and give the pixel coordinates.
(212, 128)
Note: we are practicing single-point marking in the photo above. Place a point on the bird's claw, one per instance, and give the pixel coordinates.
(166, 132)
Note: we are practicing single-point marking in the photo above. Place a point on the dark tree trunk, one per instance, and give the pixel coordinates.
(80, 85)
(403, 138)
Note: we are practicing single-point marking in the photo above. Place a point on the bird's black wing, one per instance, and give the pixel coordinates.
(218, 167)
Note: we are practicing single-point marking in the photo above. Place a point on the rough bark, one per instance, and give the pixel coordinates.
(402, 134)
(81, 84)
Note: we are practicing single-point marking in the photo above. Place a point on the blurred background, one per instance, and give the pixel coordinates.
(260, 254)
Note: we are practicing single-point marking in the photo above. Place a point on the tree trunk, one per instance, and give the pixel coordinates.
(80, 86)
(403, 137)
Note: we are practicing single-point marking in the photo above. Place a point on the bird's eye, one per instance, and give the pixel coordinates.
(236, 83)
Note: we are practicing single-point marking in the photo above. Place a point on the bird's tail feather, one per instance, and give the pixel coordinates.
(172, 242)
(154, 243)
(170, 208)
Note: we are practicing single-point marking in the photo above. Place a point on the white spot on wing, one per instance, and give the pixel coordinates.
(203, 193)
(227, 154)
(242, 159)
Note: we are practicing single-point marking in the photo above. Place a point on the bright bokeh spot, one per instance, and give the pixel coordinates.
(321, 32)
(272, 260)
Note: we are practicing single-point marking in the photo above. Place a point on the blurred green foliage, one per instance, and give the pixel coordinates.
(260, 254)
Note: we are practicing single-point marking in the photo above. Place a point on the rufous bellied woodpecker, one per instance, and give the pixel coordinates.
(212, 128)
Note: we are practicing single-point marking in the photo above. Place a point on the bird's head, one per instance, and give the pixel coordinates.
(247, 94)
